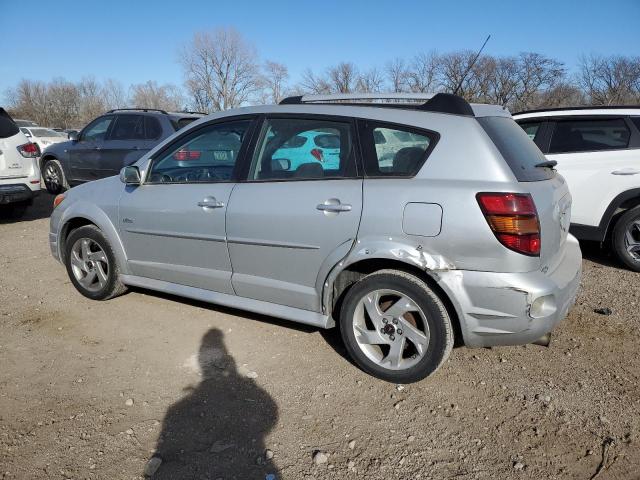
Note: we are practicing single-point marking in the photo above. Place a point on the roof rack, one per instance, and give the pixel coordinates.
(581, 107)
(137, 110)
(429, 102)
(188, 112)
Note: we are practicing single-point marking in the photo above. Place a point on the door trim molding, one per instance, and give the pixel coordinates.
(190, 236)
(271, 243)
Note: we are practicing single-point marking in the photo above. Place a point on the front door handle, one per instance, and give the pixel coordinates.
(333, 205)
(210, 202)
(626, 171)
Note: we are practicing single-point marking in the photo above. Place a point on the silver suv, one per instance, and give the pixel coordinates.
(462, 236)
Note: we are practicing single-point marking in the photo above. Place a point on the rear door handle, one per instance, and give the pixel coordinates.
(333, 205)
(626, 171)
(210, 202)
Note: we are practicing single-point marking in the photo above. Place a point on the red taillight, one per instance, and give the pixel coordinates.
(182, 155)
(317, 153)
(513, 219)
(29, 150)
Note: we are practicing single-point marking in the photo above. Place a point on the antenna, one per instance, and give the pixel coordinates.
(473, 62)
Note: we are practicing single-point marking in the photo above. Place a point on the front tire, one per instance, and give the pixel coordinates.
(626, 239)
(91, 264)
(53, 176)
(395, 327)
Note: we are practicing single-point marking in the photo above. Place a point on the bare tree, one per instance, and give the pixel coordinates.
(343, 77)
(220, 69)
(610, 80)
(273, 81)
(371, 81)
(312, 83)
(422, 74)
(455, 74)
(114, 94)
(151, 95)
(397, 74)
(536, 73)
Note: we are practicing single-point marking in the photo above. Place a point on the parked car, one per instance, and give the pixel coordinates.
(597, 150)
(25, 123)
(19, 174)
(323, 147)
(464, 236)
(108, 143)
(43, 136)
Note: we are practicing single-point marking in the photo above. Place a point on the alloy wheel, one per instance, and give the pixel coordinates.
(89, 264)
(632, 239)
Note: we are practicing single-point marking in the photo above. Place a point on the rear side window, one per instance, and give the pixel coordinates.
(128, 127)
(518, 150)
(589, 135)
(395, 151)
(152, 128)
(8, 128)
(636, 121)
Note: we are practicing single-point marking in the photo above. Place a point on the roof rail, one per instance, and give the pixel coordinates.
(137, 110)
(581, 107)
(430, 102)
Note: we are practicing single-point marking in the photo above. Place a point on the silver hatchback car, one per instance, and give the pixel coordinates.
(413, 223)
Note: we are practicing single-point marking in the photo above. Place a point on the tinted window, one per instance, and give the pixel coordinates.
(577, 135)
(518, 150)
(128, 127)
(153, 130)
(281, 155)
(394, 151)
(531, 129)
(8, 128)
(636, 121)
(207, 155)
(97, 130)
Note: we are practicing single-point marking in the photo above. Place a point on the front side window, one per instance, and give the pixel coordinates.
(395, 151)
(304, 149)
(97, 130)
(128, 127)
(209, 154)
(578, 135)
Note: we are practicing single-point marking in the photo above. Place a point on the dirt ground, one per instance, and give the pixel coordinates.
(92, 390)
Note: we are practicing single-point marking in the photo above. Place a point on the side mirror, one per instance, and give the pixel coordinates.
(73, 136)
(28, 135)
(280, 164)
(130, 175)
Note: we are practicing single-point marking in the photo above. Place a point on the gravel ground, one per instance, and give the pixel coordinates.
(94, 390)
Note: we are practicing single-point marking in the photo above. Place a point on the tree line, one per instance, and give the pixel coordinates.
(222, 71)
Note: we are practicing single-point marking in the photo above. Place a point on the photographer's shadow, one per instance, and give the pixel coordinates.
(218, 430)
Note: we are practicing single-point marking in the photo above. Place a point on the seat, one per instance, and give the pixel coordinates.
(406, 160)
(309, 170)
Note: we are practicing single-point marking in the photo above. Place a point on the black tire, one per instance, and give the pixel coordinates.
(627, 228)
(53, 176)
(112, 286)
(441, 336)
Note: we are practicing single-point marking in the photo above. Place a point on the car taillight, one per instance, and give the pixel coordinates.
(317, 153)
(513, 219)
(29, 150)
(182, 155)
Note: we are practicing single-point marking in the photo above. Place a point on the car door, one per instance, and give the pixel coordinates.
(594, 157)
(124, 146)
(173, 224)
(290, 222)
(85, 155)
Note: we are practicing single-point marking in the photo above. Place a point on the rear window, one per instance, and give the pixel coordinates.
(8, 128)
(518, 150)
(327, 141)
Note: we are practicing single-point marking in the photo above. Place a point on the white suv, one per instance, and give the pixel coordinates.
(19, 173)
(598, 152)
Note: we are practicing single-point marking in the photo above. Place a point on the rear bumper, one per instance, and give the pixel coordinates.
(514, 308)
(17, 192)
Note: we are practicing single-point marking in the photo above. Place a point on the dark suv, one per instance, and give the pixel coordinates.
(106, 145)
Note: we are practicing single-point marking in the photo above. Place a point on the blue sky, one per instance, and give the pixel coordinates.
(138, 40)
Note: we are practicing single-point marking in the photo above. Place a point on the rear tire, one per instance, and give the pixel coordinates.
(626, 239)
(395, 327)
(53, 176)
(91, 264)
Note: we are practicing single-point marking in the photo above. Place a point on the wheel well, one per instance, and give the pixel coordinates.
(356, 271)
(44, 159)
(69, 227)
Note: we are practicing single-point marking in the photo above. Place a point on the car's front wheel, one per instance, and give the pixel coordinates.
(626, 238)
(91, 264)
(395, 327)
(53, 176)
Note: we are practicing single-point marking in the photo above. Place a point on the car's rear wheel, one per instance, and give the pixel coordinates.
(395, 327)
(53, 176)
(626, 238)
(91, 264)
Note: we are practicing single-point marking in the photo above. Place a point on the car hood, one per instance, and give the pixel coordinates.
(59, 148)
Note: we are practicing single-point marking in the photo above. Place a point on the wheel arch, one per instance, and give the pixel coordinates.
(347, 274)
(620, 204)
